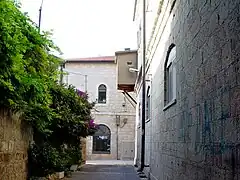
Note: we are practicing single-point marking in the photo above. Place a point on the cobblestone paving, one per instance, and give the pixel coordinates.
(105, 172)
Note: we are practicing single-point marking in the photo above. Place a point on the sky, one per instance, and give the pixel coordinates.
(86, 28)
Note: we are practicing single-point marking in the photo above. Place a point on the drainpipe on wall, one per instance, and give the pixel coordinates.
(136, 138)
(117, 124)
(143, 89)
(117, 143)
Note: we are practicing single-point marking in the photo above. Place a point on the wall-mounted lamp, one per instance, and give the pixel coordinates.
(125, 120)
(133, 70)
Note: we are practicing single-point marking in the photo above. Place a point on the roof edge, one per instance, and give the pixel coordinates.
(92, 59)
(126, 52)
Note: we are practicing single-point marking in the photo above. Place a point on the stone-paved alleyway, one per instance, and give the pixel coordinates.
(106, 172)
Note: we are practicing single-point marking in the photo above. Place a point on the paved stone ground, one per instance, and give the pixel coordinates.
(109, 162)
(106, 172)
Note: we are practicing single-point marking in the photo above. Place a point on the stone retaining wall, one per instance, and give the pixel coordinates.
(83, 149)
(14, 141)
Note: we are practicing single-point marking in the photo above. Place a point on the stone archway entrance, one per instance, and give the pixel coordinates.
(102, 140)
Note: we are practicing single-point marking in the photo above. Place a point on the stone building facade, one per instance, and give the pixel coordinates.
(113, 112)
(193, 69)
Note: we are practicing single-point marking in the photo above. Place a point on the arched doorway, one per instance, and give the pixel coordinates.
(102, 140)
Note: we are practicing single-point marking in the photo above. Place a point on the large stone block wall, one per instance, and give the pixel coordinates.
(15, 137)
(198, 137)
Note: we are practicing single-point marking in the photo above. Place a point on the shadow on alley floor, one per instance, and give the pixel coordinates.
(105, 172)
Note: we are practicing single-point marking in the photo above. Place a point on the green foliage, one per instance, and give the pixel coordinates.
(45, 159)
(72, 114)
(28, 84)
(27, 69)
(57, 131)
(72, 155)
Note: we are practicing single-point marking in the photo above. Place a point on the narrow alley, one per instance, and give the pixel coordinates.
(120, 90)
(106, 172)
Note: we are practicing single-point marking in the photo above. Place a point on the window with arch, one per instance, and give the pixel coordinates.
(102, 94)
(102, 140)
(170, 76)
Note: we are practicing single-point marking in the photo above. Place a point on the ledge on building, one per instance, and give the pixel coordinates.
(126, 87)
(168, 105)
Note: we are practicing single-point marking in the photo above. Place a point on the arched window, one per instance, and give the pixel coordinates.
(102, 93)
(170, 76)
(102, 140)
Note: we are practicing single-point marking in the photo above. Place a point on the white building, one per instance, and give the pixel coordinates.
(113, 111)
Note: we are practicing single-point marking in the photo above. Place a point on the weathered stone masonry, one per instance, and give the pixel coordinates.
(14, 141)
(198, 137)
